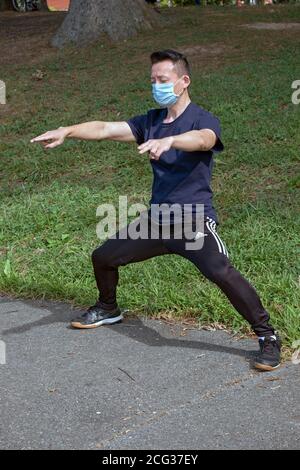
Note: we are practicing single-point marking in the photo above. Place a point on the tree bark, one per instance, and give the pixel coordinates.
(119, 19)
(44, 5)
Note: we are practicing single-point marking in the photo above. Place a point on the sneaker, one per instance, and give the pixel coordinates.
(96, 316)
(268, 357)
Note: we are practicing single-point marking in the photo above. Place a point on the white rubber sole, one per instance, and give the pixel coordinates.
(106, 321)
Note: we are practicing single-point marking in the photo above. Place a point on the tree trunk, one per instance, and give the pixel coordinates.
(120, 19)
(44, 5)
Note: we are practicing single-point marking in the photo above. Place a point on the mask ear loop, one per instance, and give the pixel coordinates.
(174, 87)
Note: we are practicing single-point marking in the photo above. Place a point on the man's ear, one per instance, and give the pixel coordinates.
(187, 80)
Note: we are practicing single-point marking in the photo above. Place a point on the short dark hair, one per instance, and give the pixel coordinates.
(179, 60)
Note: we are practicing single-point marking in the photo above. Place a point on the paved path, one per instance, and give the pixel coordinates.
(141, 384)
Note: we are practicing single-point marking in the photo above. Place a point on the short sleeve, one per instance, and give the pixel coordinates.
(137, 125)
(209, 121)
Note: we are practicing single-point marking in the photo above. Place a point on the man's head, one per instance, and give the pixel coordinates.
(169, 66)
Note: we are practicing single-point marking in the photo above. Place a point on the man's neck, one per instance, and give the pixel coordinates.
(178, 108)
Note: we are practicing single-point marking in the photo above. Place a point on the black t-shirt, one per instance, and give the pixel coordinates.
(180, 177)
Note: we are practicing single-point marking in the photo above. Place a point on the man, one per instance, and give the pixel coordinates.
(180, 138)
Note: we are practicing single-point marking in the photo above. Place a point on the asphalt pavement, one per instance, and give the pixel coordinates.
(139, 384)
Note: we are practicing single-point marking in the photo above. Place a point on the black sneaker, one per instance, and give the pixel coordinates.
(96, 316)
(269, 356)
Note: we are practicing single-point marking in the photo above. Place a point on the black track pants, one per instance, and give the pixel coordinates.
(212, 260)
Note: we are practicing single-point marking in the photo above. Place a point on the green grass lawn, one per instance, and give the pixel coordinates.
(49, 199)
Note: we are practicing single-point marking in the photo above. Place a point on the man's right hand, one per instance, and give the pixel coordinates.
(51, 139)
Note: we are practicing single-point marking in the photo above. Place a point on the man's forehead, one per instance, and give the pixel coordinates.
(165, 67)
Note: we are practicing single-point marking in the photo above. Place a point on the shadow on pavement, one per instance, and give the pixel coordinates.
(132, 327)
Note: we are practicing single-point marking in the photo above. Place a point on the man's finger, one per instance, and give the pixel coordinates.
(51, 146)
(40, 138)
(146, 149)
(140, 147)
(155, 150)
(146, 144)
(154, 153)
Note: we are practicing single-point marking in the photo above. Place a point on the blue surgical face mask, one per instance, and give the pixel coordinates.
(163, 93)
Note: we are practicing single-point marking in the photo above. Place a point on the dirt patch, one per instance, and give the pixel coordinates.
(24, 37)
(208, 54)
(208, 50)
(272, 26)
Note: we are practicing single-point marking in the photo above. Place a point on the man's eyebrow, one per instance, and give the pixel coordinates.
(160, 76)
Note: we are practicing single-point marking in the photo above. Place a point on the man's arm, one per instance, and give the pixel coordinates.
(192, 141)
(93, 130)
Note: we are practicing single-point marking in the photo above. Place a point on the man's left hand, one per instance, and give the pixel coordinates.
(156, 147)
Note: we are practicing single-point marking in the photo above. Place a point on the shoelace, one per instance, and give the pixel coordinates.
(268, 345)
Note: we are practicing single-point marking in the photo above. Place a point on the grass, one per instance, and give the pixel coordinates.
(49, 199)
